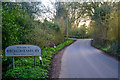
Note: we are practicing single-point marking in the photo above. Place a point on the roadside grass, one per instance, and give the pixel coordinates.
(25, 69)
(112, 50)
(104, 48)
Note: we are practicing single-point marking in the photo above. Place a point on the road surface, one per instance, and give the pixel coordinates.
(81, 60)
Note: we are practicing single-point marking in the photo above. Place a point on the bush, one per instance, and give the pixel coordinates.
(26, 72)
(19, 27)
(24, 67)
(110, 46)
(113, 47)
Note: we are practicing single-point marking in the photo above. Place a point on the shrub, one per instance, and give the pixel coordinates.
(24, 66)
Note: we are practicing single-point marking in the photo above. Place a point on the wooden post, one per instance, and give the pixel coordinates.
(34, 61)
(13, 63)
(67, 26)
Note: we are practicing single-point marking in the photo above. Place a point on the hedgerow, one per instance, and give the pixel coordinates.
(25, 69)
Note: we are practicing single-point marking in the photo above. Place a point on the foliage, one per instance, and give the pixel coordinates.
(61, 14)
(14, 26)
(79, 31)
(109, 46)
(101, 12)
(26, 72)
(24, 67)
(104, 22)
(104, 27)
(19, 27)
(46, 34)
(113, 26)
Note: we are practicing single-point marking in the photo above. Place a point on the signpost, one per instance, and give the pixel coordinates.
(23, 50)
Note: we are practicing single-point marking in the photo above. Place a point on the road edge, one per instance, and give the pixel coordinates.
(55, 65)
(106, 53)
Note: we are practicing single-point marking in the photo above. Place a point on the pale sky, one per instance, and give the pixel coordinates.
(48, 3)
(49, 16)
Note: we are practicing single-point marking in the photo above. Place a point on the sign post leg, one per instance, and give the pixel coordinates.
(34, 61)
(13, 63)
(40, 60)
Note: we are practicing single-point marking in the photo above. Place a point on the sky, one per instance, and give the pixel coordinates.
(50, 4)
(48, 15)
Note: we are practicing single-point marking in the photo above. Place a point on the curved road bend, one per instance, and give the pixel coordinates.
(81, 60)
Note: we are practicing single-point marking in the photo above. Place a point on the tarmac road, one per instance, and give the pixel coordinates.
(81, 60)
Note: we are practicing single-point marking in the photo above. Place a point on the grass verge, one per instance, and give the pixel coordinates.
(112, 52)
(25, 69)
